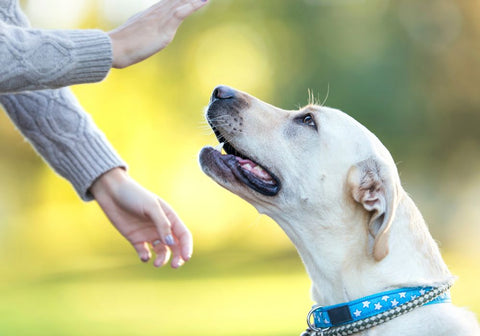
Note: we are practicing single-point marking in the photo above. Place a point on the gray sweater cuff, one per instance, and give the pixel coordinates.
(39, 59)
(90, 159)
(93, 57)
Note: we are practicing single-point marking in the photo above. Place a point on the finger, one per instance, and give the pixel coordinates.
(185, 239)
(143, 251)
(188, 8)
(161, 222)
(177, 259)
(166, 6)
(163, 254)
(180, 231)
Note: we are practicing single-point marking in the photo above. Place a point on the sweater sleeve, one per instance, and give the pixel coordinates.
(64, 135)
(38, 59)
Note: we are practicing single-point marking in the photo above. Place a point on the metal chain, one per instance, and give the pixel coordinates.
(373, 321)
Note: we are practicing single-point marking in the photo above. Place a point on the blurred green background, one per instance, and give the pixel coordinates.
(409, 70)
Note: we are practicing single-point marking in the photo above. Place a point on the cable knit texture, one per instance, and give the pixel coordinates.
(42, 59)
(35, 62)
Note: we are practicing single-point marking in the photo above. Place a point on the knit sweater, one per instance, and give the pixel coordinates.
(33, 64)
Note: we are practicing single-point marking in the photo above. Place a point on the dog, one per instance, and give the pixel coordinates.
(335, 190)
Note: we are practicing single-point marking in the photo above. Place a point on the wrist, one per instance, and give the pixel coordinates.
(117, 59)
(107, 181)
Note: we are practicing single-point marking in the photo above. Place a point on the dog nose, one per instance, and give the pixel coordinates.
(222, 92)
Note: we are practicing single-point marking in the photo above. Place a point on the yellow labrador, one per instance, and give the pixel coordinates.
(335, 190)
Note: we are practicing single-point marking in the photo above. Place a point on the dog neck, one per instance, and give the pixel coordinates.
(336, 253)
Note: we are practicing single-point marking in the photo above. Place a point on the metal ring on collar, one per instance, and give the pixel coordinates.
(318, 331)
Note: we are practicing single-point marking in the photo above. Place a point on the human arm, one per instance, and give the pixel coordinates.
(38, 59)
(68, 140)
(64, 135)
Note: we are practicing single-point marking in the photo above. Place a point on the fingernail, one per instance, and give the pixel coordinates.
(144, 257)
(169, 240)
(177, 263)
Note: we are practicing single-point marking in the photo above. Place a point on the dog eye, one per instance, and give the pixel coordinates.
(306, 120)
(309, 121)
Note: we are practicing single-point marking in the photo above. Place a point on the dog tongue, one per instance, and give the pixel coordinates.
(254, 168)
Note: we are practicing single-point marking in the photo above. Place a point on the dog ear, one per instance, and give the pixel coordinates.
(372, 184)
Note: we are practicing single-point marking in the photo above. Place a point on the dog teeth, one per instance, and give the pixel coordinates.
(258, 169)
(219, 147)
(248, 167)
(255, 169)
(260, 172)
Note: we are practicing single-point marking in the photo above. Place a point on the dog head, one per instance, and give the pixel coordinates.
(315, 162)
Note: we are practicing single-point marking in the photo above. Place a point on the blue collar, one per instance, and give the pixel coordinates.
(349, 312)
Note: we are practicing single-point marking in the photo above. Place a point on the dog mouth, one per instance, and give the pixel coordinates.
(244, 169)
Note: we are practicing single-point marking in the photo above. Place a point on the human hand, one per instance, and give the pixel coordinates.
(143, 219)
(150, 31)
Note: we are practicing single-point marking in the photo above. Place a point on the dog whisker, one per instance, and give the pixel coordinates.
(326, 96)
(311, 97)
(313, 100)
